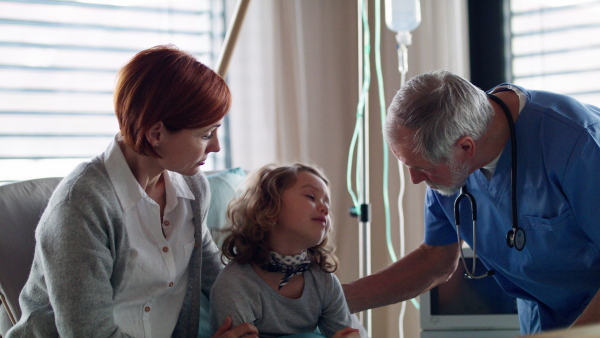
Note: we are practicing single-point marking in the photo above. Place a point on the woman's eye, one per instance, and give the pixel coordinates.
(311, 197)
(208, 136)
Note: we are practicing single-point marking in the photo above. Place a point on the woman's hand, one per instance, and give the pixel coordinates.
(243, 330)
(347, 333)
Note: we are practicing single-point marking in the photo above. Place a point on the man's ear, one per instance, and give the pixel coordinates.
(155, 133)
(466, 147)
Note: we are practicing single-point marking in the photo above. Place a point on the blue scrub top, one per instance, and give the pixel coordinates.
(558, 201)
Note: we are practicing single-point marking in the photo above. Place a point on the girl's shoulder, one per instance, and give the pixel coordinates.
(322, 278)
(235, 272)
(233, 268)
(237, 279)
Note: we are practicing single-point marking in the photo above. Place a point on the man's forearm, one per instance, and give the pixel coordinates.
(414, 274)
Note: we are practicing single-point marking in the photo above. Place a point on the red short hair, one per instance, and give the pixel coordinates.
(166, 84)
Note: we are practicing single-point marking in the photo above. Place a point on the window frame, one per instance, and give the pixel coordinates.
(489, 52)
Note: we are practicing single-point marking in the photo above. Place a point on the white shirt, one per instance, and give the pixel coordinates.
(156, 277)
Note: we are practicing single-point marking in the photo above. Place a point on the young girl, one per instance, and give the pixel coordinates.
(279, 277)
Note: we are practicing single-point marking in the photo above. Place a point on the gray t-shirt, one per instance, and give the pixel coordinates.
(240, 293)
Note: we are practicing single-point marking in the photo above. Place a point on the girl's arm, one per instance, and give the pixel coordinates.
(335, 314)
(229, 298)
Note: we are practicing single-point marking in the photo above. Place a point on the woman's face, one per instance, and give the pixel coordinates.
(185, 151)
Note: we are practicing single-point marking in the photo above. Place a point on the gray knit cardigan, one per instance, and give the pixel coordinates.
(81, 254)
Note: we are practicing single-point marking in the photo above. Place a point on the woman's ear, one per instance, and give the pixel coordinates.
(155, 133)
(466, 147)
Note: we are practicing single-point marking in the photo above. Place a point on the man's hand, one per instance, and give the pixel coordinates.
(243, 330)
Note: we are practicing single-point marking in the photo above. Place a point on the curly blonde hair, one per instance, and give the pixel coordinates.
(253, 214)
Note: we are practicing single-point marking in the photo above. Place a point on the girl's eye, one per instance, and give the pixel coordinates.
(311, 197)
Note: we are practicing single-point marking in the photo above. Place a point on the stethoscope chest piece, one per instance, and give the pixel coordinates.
(516, 238)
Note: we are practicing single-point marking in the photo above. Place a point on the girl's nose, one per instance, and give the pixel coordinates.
(324, 209)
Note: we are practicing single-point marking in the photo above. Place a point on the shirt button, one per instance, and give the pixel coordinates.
(171, 284)
(166, 249)
(147, 309)
(166, 223)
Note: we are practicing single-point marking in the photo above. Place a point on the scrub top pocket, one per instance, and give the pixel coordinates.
(557, 242)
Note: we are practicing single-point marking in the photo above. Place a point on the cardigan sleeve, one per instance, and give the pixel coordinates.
(78, 263)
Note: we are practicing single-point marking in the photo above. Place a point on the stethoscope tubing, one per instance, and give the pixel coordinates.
(516, 236)
(513, 165)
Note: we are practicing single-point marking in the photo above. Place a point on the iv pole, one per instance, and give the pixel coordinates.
(364, 236)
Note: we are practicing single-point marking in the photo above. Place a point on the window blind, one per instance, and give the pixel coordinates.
(58, 70)
(555, 46)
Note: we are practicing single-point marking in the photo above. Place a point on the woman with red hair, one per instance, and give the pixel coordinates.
(121, 249)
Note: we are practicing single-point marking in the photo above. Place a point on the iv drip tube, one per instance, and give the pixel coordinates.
(402, 16)
(386, 202)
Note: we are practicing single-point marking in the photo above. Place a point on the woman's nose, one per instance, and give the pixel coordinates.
(214, 146)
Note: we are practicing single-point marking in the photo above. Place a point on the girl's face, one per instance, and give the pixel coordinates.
(304, 220)
(186, 150)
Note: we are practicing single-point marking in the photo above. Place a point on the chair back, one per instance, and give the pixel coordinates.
(21, 206)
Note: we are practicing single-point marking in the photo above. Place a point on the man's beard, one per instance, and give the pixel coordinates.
(459, 172)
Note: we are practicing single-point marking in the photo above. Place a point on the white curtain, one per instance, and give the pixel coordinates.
(291, 77)
(294, 79)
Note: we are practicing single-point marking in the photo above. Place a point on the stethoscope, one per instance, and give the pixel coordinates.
(515, 238)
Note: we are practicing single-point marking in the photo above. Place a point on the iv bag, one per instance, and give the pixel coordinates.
(402, 15)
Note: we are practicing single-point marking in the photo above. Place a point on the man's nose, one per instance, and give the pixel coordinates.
(416, 176)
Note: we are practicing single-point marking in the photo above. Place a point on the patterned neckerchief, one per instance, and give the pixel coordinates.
(289, 265)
